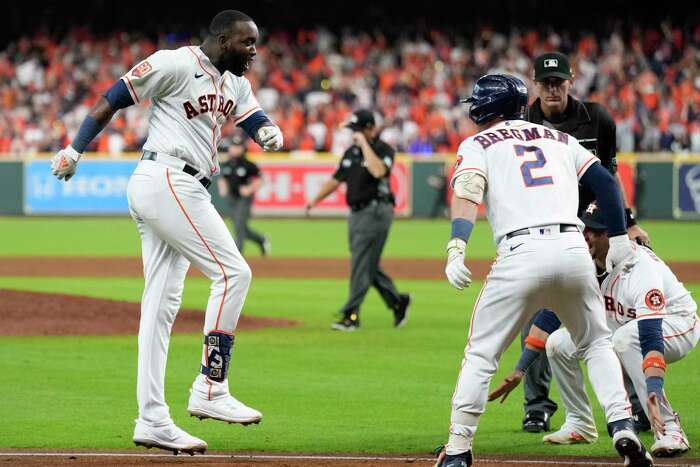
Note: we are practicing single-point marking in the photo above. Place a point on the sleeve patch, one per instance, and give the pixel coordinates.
(459, 161)
(141, 70)
(655, 300)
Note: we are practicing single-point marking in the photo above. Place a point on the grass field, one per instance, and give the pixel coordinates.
(379, 390)
(315, 238)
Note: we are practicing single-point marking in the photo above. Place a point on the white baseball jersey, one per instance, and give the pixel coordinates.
(649, 290)
(531, 171)
(190, 102)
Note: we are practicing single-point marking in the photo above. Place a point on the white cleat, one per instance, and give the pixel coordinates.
(631, 449)
(168, 437)
(672, 444)
(224, 407)
(568, 435)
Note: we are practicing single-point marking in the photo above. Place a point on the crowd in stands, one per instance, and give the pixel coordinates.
(309, 81)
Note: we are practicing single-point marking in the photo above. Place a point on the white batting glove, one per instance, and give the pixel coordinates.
(270, 138)
(65, 163)
(457, 273)
(621, 251)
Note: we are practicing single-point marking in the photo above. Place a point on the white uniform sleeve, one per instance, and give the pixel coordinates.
(646, 291)
(470, 158)
(583, 158)
(154, 77)
(246, 103)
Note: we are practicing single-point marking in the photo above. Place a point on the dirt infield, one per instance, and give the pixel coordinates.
(131, 458)
(43, 314)
(311, 268)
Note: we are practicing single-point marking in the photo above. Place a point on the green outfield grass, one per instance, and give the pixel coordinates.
(291, 238)
(378, 390)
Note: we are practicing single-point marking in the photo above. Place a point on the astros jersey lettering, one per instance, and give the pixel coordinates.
(527, 166)
(190, 102)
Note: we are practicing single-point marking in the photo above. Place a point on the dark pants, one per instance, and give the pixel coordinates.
(368, 230)
(538, 379)
(241, 214)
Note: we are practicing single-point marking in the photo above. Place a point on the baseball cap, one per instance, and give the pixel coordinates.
(593, 218)
(360, 120)
(554, 64)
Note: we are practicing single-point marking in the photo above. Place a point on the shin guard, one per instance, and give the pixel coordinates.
(218, 347)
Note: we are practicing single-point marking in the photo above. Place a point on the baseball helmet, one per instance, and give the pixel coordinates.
(497, 96)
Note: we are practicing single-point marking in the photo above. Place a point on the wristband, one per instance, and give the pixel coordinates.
(629, 218)
(654, 362)
(539, 344)
(655, 385)
(527, 358)
(461, 228)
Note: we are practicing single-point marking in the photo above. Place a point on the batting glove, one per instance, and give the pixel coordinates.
(457, 273)
(621, 251)
(65, 163)
(270, 138)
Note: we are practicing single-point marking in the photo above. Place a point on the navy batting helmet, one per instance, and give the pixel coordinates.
(497, 96)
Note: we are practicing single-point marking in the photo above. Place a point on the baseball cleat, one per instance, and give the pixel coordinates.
(631, 449)
(225, 408)
(459, 460)
(168, 437)
(567, 435)
(401, 311)
(349, 322)
(670, 445)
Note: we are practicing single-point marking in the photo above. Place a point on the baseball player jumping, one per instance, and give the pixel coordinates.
(192, 91)
(529, 176)
(653, 320)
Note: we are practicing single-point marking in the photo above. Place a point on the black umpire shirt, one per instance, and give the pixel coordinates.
(238, 171)
(362, 187)
(592, 126)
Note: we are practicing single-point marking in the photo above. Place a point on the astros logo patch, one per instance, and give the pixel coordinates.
(655, 300)
(142, 69)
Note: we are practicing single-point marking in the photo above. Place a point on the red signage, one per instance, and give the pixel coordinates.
(289, 185)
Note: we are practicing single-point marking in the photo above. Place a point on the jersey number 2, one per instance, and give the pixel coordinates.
(527, 166)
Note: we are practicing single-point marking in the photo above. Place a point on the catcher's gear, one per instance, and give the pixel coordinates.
(270, 138)
(497, 96)
(65, 163)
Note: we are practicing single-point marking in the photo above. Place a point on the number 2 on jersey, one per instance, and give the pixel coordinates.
(527, 166)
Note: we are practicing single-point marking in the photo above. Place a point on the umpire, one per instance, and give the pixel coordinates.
(595, 129)
(365, 168)
(240, 179)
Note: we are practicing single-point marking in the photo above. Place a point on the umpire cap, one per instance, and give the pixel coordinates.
(552, 64)
(361, 119)
(593, 218)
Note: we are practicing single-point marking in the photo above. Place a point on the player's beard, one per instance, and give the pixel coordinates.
(237, 64)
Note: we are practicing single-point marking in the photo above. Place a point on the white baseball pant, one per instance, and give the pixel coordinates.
(546, 269)
(681, 334)
(179, 225)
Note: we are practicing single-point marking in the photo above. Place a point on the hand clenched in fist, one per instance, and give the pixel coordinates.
(270, 138)
(65, 163)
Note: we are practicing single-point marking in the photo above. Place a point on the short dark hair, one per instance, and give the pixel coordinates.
(224, 21)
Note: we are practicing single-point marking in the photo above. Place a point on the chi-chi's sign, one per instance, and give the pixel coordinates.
(289, 185)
